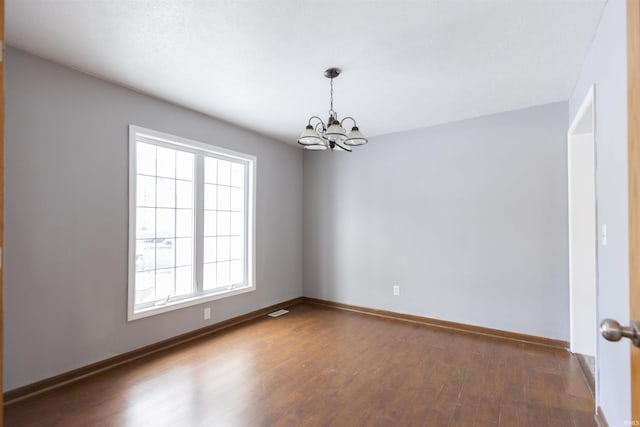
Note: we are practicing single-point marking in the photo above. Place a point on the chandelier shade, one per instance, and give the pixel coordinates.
(332, 134)
(316, 147)
(355, 137)
(335, 132)
(309, 136)
(340, 146)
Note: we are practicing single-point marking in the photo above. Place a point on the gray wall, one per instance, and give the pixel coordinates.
(469, 218)
(66, 219)
(606, 67)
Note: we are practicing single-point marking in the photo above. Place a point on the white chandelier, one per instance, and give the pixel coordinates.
(332, 136)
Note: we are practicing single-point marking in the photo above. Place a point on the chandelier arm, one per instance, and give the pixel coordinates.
(350, 118)
(317, 118)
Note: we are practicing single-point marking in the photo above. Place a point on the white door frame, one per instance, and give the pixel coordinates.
(579, 134)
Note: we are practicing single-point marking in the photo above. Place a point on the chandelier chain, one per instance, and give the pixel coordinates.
(331, 111)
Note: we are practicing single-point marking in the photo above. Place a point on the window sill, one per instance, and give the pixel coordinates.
(183, 303)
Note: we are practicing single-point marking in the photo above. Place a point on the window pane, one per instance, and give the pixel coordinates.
(224, 224)
(236, 248)
(184, 251)
(224, 172)
(184, 194)
(222, 277)
(210, 223)
(145, 287)
(236, 224)
(139, 260)
(235, 272)
(166, 162)
(224, 198)
(223, 249)
(210, 170)
(146, 191)
(145, 255)
(165, 253)
(237, 199)
(145, 223)
(210, 249)
(164, 283)
(166, 223)
(210, 196)
(184, 223)
(209, 276)
(184, 165)
(166, 193)
(146, 158)
(237, 175)
(184, 281)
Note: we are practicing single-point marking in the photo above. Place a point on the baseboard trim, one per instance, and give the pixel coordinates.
(588, 376)
(478, 330)
(601, 421)
(29, 390)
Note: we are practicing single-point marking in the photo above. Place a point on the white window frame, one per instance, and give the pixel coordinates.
(137, 133)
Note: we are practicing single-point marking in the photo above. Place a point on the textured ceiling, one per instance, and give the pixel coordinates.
(259, 64)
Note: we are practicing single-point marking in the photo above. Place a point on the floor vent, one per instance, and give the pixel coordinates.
(278, 313)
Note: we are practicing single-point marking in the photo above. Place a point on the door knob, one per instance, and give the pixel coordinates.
(612, 331)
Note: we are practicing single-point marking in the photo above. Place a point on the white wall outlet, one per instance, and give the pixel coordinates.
(396, 290)
(604, 234)
(207, 313)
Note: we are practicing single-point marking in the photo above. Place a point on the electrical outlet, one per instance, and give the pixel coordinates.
(396, 290)
(207, 313)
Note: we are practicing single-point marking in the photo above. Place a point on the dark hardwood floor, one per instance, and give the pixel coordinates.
(325, 367)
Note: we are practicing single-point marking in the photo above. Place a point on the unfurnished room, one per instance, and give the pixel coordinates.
(320, 213)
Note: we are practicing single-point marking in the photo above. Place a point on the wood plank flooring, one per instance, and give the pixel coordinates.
(319, 366)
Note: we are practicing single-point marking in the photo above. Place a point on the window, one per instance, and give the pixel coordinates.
(191, 229)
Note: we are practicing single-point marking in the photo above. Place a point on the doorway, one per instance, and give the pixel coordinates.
(583, 233)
